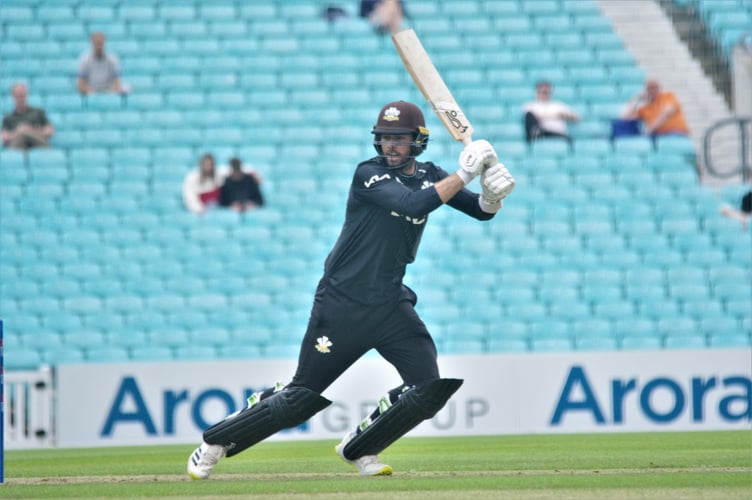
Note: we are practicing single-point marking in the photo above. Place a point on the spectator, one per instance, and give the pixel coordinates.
(743, 214)
(659, 111)
(545, 117)
(201, 186)
(334, 13)
(25, 127)
(99, 71)
(241, 189)
(384, 15)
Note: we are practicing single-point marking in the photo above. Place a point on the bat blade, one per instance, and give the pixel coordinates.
(427, 78)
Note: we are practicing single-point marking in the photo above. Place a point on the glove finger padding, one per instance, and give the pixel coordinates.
(476, 156)
(497, 183)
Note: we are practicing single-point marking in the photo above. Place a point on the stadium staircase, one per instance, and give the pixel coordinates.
(610, 246)
(676, 68)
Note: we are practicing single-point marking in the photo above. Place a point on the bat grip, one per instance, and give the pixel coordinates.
(467, 140)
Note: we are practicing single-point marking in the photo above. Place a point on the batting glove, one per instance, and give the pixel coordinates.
(474, 158)
(497, 183)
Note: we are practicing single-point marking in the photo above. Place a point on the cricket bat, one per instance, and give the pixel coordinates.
(432, 86)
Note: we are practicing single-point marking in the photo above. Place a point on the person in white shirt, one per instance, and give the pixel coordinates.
(201, 186)
(545, 117)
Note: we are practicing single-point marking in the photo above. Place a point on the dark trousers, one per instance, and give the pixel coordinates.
(394, 329)
(534, 131)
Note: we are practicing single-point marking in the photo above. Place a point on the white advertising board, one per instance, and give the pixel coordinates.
(159, 403)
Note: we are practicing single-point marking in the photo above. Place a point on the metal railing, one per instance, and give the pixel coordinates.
(744, 126)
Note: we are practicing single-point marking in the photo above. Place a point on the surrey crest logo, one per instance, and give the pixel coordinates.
(323, 344)
(391, 114)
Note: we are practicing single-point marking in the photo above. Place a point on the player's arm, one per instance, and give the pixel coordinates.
(448, 187)
(375, 186)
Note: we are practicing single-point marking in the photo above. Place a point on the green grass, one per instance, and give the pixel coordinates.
(604, 466)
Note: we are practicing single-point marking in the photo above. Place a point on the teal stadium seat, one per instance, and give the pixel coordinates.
(686, 342)
(63, 355)
(45, 157)
(592, 23)
(98, 14)
(631, 343)
(84, 339)
(22, 358)
(164, 125)
(580, 8)
(739, 339)
(106, 354)
(151, 353)
(463, 346)
(240, 352)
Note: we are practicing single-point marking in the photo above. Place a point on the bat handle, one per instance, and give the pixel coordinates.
(467, 140)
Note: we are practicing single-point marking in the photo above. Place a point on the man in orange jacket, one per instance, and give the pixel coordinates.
(659, 111)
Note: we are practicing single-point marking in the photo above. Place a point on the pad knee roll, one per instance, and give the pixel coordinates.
(414, 406)
(282, 410)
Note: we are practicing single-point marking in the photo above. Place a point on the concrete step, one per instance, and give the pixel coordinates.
(649, 35)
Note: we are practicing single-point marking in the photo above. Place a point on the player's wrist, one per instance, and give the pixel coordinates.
(488, 205)
(465, 176)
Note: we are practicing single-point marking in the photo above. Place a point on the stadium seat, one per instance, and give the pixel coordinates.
(641, 343)
(22, 358)
(106, 354)
(686, 342)
(596, 343)
(551, 345)
(103, 102)
(39, 158)
(179, 58)
(196, 352)
(739, 339)
(84, 339)
(151, 353)
(506, 345)
(63, 355)
(240, 352)
(170, 336)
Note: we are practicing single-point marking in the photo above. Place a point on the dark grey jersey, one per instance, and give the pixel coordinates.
(385, 218)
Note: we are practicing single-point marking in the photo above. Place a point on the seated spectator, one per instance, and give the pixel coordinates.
(241, 190)
(201, 186)
(545, 117)
(99, 71)
(659, 111)
(333, 13)
(25, 127)
(384, 15)
(743, 214)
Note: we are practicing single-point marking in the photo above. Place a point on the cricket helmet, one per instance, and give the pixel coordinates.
(398, 118)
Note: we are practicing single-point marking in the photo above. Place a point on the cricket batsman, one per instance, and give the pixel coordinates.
(361, 303)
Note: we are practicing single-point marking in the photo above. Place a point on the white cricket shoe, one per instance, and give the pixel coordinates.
(203, 459)
(367, 465)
